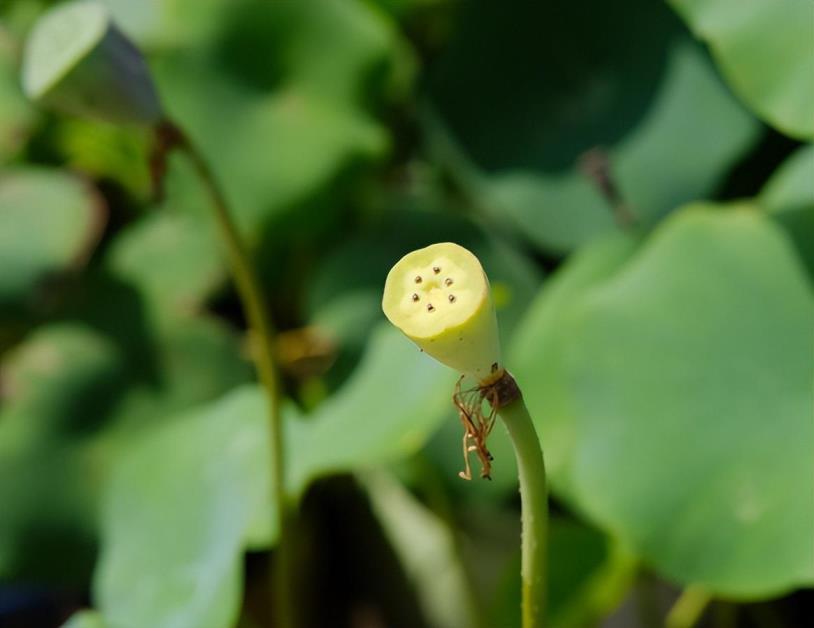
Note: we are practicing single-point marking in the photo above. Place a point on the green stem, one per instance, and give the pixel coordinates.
(262, 348)
(688, 608)
(534, 499)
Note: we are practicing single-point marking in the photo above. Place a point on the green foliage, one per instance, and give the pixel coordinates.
(667, 363)
(764, 49)
(49, 222)
(693, 361)
(208, 472)
(561, 85)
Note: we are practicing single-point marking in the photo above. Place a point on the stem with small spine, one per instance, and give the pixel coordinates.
(534, 502)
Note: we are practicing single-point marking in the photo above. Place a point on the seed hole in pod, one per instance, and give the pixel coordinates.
(430, 307)
(452, 298)
(436, 269)
(447, 282)
(418, 279)
(415, 297)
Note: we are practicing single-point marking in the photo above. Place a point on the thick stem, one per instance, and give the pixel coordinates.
(261, 336)
(534, 498)
(688, 608)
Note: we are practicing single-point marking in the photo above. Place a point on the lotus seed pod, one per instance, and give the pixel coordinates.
(439, 297)
(78, 62)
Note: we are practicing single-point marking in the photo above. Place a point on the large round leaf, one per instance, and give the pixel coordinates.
(522, 94)
(766, 50)
(539, 339)
(688, 376)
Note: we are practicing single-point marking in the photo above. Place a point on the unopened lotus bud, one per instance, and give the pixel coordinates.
(77, 61)
(439, 297)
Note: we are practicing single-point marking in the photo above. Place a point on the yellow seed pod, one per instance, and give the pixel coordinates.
(439, 297)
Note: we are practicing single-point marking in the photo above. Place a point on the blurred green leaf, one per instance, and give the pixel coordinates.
(386, 410)
(85, 619)
(766, 51)
(514, 118)
(209, 470)
(71, 404)
(174, 522)
(791, 187)
(789, 196)
(279, 97)
(687, 380)
(16, 115)
(427, 547)
(172, 254)
(539, 341)
(49, 221)
(56, 388)
(105, 151)
(589, 575)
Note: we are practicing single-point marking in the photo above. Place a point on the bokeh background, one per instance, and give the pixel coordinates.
(638, 181)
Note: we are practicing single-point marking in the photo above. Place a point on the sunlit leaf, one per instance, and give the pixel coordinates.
(766, 52)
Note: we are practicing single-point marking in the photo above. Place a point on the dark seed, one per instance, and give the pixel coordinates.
(452, 298)
(430, 307)
(447, 281)
(436, 269)
(415, 297)
(418, 279)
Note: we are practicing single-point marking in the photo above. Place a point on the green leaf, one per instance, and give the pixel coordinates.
(278, 121)
(789, 196)
(589, 575)
(765, 50)
(85, 619)
(16, 115)
(174, 522)
(386, 410)
(49, 221)
(72, 403)
(687, 379)
(187, 499)
(57, 387)
(172, 255)
(540, 334)
(628, 81)
(107, 151)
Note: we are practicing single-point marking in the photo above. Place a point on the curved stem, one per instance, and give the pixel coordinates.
(534, 498)
(688, 608)
(261, 341)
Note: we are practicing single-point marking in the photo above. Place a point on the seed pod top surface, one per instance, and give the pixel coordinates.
(439, 297)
